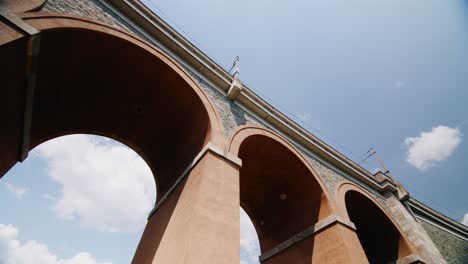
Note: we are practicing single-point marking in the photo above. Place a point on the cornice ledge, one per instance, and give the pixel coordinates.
(429, 215)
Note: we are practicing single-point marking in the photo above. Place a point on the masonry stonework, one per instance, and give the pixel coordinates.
(453, 248)
(91, 9)
(230, 113)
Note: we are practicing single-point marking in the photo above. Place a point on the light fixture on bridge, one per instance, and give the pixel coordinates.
(283, 196)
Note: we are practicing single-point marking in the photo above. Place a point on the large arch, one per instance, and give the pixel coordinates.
(379, 235)
(92, 78)
(280, 192)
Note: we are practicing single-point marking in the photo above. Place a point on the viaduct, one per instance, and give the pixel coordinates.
(114, 68)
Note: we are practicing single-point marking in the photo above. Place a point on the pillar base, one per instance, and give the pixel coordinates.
(331, 240)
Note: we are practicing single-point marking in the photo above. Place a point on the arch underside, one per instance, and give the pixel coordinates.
(98, 82)
(381, 240)
(279, 192)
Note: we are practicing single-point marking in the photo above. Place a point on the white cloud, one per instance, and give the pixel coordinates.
(104, 184)
(431, 147)
(304, 117)
(250, 248)
(49, 197)
(12, 251)
(18, 191)
(465, 220)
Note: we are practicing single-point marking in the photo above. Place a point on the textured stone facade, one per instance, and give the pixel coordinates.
(91, 9)
(230, 113)
(452, 247)
(329, 177)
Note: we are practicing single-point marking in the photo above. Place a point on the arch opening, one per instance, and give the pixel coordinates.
(280, 194)
(249, 244)
(378, 236)
(98, 83)
(88, 187)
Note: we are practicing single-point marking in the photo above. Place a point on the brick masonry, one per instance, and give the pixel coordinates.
(430, 240)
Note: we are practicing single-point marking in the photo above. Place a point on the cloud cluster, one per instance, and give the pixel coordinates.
(432, 147)
(12, 251)
(250, 248)
(104, 184)
(18, 191)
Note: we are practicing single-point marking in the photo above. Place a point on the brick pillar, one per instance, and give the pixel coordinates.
(331, 240)
(199, 221)
(338, 244)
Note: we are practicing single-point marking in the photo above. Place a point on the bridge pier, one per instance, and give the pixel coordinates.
(199, 220)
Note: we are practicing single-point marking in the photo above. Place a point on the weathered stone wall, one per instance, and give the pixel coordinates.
(230, 113)
(91, 9)
(452, 247)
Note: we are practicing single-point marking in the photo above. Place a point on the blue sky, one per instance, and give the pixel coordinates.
(389, 74)
(75, 196)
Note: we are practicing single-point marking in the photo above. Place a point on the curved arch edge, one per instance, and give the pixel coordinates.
(43, 21)
(238, 136)
(340, 194)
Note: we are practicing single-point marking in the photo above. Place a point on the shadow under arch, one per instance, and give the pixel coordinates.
(279, 191)
(379, 235)
(95, 79)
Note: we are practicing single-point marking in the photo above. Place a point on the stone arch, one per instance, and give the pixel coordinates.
(96, 79)
(380, 236)
(280, 192)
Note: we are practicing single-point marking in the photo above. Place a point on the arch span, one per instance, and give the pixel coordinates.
(95, 79)
(379, 235)
(279, 191)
